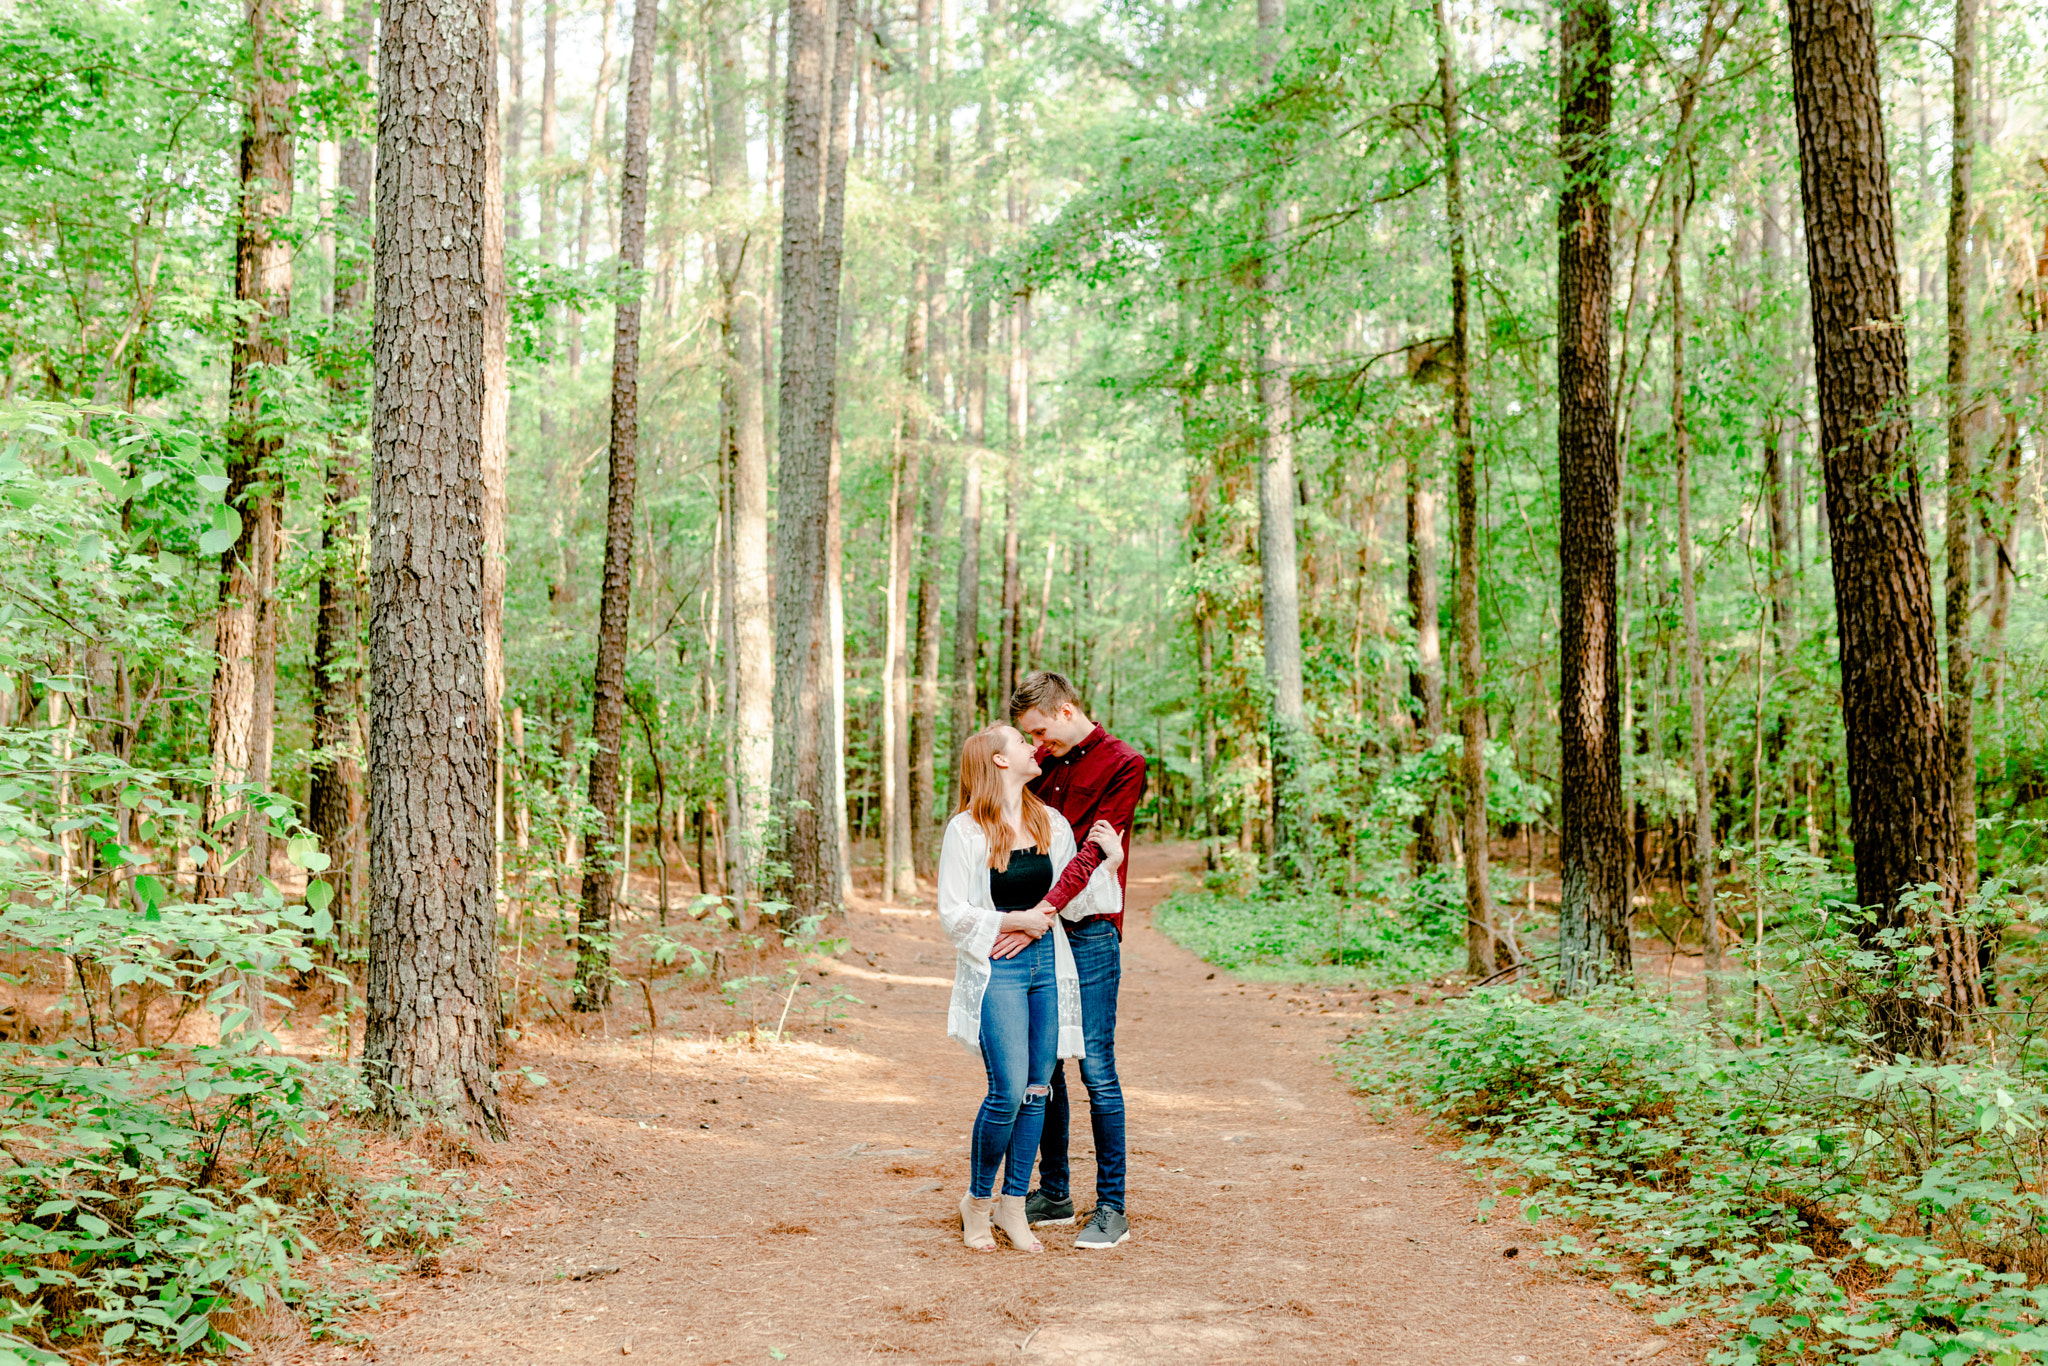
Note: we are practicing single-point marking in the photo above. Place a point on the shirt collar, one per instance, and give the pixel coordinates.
(1047, 756)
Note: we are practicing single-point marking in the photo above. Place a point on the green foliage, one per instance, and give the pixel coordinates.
(1411, 927)
(1829, 1207)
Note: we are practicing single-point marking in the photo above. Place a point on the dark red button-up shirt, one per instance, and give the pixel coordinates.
(1102, 778)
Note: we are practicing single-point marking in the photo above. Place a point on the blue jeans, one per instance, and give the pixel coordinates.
(1020, 1032)
(1098, 957)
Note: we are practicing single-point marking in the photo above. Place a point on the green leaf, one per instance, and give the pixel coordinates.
(212, 483)
(304, 852)
(319, 895)
(226, 530)
(117, 1335)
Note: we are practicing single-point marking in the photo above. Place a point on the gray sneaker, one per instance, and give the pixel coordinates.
(1041, 1208)
(1106, 1228)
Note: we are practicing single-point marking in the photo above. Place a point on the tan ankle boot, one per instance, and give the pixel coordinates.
(1015, 1224)
(974, 1219)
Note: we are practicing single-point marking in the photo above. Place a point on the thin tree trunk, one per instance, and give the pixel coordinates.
(550, 134)
(239, 719)
(1009, 668)
(1901, 812)
(431, 1039)
(750, 707)
(586, 191)
(1593, 923)
(1279, 572)
(1961, 533)
(898, 862)
(1426, 675)
(515, 112)
(924, 712)
(1486, 944)
(832, 238)
(1704, 857)
(592, 986)
(335, 790)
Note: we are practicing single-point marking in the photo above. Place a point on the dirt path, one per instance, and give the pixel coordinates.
(692, 1202)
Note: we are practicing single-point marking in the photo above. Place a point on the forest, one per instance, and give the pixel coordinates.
(511, 511)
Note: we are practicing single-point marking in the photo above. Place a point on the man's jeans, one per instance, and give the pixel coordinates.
(1098, 957)
(1020, 1035)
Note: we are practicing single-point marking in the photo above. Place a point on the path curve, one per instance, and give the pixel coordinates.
(722, 1204)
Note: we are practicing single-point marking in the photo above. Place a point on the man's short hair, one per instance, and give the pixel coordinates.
(1042, 691)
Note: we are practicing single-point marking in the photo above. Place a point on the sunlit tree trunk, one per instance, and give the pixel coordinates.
(750, 710)
(1279, 570)
(431, 1033)
(1426, 675)
(1593, 938)
(592, 987)
(1901, 812)
(1961, 533)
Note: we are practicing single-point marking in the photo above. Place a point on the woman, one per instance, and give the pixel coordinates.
(1003, 853)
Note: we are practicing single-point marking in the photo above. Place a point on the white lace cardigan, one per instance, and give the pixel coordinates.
(968, 913)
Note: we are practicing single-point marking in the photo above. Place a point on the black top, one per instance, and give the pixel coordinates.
(1024, 883)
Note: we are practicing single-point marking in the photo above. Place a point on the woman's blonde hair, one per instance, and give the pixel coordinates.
(981, 796)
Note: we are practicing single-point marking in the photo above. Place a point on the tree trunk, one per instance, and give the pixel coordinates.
(550, 133)
(1009, 668)
(1426, 675)
(1961, 532)
(431, 1033)
(592, 987)
(600, 105)
(1279, 574)
(1704, 857)
(898, 872)
(832, 237)
(1487, 944)
(335, 790)
(1593, 921)
(239, 718)
(801, 785)
(924, 711)
(515, 111)
(1901, 815)
(750, 707)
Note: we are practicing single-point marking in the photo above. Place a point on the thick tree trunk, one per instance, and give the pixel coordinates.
(750, 708)
(1961, 532)
(1704, 856)
(431, 1042)
(239, 719)
(592, 987)
(335, 790)
(1593, 939)
(801, 782)
(1901, 815)
(1279, 572)
(1489, 946)
(1426, 675)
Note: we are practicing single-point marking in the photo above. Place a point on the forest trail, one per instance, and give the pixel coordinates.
(693, 1202)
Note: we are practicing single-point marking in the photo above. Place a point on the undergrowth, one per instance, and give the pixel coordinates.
(1828, 1205)
(1383, 934)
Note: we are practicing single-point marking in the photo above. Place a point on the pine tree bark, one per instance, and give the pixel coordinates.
(1489, 947)
(751, 711)
(431, 1035)
(239, 717)
(592, 985)
(898, 870)
(1593, 938)
(1962, 519)
(1279, 569)
(335, 790)
(801, 783)
(1901, 813)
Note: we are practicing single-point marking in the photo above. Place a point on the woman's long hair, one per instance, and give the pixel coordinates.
(981, 796)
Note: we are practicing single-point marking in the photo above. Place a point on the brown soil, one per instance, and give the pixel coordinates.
(689, 1201)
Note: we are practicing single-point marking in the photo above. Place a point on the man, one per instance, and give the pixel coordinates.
(1089, 775)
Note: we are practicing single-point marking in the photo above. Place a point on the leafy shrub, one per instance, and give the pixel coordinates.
(1831, 1207)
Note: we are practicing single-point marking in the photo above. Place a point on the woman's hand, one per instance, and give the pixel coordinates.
(1112, 844)
(1020, 929)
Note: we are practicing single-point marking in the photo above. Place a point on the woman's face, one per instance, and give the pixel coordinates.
(1018, 754)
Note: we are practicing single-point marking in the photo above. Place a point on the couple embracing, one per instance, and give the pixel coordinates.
(1036, 920)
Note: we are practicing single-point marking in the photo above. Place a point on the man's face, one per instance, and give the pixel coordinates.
(1058, 732)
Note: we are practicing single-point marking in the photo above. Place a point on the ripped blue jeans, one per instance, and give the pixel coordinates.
(1020, 1032)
